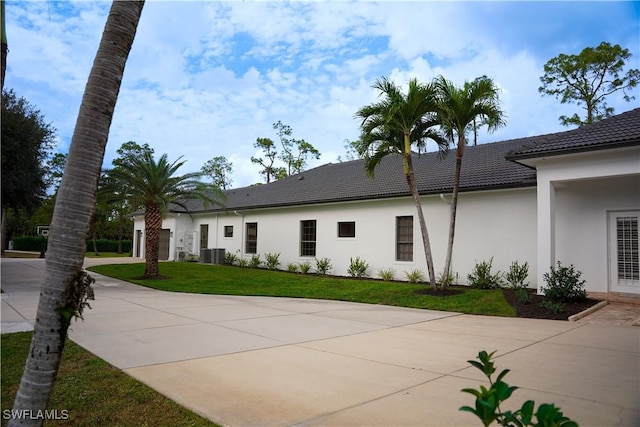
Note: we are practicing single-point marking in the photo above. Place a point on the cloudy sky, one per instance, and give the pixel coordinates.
(206, 78)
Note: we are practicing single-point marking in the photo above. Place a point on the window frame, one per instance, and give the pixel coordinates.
(228, 228)
(342, 235)
(308, 237)
(404, 242)
(251, 240)
(204, 236)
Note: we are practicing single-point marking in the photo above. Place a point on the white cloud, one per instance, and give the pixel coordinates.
(206, 79)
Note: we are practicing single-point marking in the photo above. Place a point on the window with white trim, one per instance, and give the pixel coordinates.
(404, 238)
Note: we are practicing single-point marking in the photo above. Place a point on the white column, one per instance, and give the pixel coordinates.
(546, 229)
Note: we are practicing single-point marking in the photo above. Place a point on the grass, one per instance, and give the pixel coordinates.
(93, 392)
(107, 255)
(228, 280)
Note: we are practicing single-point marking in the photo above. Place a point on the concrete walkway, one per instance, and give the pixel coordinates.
(257, 361)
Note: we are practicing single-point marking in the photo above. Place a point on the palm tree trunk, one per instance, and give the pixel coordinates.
(152, 226)
(74, 206)
(3, 231)
(5, 46)
(423, 224)
(454, 208)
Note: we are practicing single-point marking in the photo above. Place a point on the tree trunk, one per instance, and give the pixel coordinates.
(423, 224)
(3, 231)
(95, 243)
(152, 227)
(5, 46)
(454, 208)
(74, 206)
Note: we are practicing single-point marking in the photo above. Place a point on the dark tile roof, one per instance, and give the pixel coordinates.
(617, 131)
(486, 166)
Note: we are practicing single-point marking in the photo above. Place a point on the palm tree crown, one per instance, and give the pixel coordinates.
(153, 186)
(459, 107)
(398, 122)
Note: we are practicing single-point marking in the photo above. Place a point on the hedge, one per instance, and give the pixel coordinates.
(34, 243)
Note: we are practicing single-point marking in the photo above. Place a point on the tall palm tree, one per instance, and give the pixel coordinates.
(392, 126)
(64, 285)
(458, 110)
(154, 187)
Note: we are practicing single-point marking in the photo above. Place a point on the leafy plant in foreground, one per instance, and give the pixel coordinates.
(292, 267)
(358, 267)
(488, 401)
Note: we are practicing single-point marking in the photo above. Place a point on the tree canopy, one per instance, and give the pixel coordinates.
(587, 79)
(27, 141)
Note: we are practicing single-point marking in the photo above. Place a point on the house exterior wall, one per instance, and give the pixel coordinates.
(499, 224)
(574, 194)
(582, 231)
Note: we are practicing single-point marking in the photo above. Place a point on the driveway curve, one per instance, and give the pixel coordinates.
(260, 361)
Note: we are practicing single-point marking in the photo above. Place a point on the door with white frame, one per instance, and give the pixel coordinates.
(624, 261)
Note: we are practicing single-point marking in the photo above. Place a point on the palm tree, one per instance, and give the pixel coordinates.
(392, 126)
(458, 110)
(154, 187)
(65, 287)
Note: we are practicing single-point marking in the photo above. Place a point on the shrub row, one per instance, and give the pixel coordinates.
(34, 244)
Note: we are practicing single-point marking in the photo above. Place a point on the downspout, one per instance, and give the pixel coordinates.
(241, 233)
(217, 230)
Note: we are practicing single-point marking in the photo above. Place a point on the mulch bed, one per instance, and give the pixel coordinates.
(534, 311)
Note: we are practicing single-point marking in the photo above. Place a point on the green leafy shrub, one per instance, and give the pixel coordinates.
(28, 243)
(272, 260)
(523, 295)
(230, 258)
(242, 262)
(517, 275)
(255, 261)
(292, 267)
(552, 306)
(386, 274)
(414, 276)
(305, 267)
(323, 265)
(451, 279)
(563, 284)
(482, 278)
(358, 267)
(488, 401)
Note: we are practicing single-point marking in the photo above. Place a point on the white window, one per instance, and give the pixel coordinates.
(623, 251)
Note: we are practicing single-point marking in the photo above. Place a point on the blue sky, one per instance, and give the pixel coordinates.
(206, 78)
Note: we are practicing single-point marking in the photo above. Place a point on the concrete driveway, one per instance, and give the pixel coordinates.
(257, 361)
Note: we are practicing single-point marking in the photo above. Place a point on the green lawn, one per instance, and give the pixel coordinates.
(228, 280)
(93, 392)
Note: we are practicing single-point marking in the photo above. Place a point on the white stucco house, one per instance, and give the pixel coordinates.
(571, 196)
